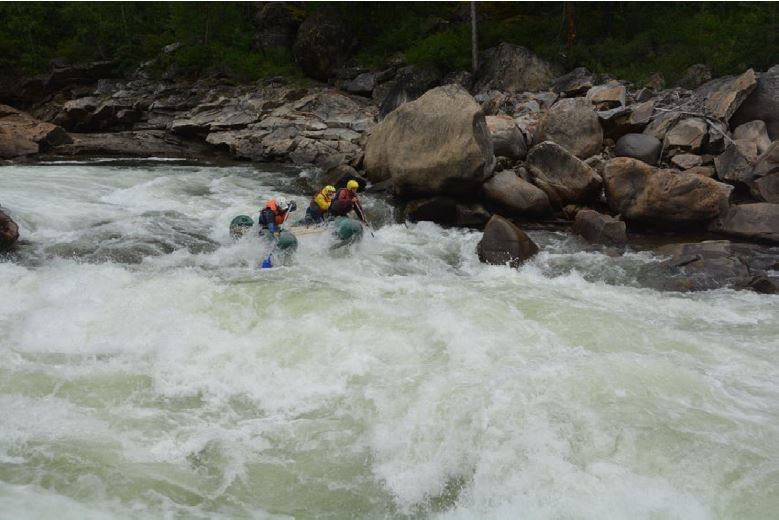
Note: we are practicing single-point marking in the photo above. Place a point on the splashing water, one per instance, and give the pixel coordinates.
(149, 368)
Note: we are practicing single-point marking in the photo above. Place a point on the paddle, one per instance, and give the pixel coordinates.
(267, 264)
(362, 217)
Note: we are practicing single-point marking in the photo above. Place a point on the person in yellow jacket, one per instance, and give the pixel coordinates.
(320, 205)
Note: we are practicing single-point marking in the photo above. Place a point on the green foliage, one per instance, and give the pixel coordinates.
(450, 49)
(630, 40)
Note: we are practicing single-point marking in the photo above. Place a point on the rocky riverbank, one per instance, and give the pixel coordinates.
(517, 140)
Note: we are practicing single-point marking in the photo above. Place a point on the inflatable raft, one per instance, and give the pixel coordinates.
(345, 230)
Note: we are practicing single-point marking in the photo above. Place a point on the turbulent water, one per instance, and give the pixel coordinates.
(149, 368)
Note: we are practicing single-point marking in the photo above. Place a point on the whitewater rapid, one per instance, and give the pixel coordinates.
(149, 368)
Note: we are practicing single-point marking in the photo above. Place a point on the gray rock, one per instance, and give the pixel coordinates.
(737, 163)
(598, 228)
(575, 83)
(710, 265)
(363, 84)
(438, 144)
(9, 232)
(642, 193)
(504, 243)
(573, 124)
(766, 175)
(687, 135)
(685, 161)
(756, 132)
(563, 177)
(660, 125)
(608, 96)
(507, 139)
(643, 147)
(723, 96)
(754, 222)
(512, 193)
(762, 103)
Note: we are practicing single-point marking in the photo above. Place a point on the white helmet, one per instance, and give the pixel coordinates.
(282, 204)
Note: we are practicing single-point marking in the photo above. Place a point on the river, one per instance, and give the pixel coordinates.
(150, 369)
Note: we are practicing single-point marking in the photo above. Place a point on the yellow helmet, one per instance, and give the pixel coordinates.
(352, 185)
(329, 189)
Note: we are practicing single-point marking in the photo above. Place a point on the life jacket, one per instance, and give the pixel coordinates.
(321, 201)
(279, 215)
(343, 202)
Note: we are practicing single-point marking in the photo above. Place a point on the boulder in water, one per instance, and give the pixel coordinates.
(598, 228)
(9, 232)
(504, 243)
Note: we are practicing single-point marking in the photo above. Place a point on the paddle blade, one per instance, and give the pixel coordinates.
(266, 264)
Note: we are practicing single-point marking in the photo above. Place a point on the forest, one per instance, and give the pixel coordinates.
(630, 40)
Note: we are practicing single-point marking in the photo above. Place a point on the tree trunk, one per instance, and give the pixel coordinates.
(474, 40)
(205, 33)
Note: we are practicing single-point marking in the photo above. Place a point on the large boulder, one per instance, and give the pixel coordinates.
(507, 138)
(723, 96)
(573, 124)
(642, 193)
(409, 83)
(435, 145)
(645, 148)
(511, 68)
(755, 222)
(564, 178)
(598, 228)
(9, 231)
(737, 163)
(766, 175)
(687, 135)
(504, 243)
(512, 193)
(324, 43)
(22, 134)
(762, 103)
(756, 132)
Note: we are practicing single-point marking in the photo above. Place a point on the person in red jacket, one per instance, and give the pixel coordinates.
(346, 200)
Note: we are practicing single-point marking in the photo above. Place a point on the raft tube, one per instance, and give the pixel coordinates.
(240, 225)
(347, 230)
